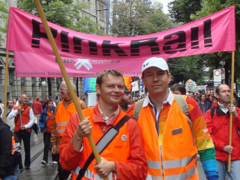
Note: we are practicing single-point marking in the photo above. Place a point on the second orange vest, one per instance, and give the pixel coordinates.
(62, 117)
(176, 158)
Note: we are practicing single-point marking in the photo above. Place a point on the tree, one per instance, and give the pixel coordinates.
(3, 20)
(181, 10)
(210, 7)
(64, 13)
(132, 18)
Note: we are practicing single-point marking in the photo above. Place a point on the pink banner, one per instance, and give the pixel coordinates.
(86, 55)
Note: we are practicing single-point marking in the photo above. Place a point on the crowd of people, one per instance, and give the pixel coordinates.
(155, 136)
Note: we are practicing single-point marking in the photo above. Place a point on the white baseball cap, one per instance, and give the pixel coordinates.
(155, 62)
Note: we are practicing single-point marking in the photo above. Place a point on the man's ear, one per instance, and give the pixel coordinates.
(97, 87)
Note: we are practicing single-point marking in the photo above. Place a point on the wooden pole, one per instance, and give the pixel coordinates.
(65, 75)
(5, 88)
(231, 114)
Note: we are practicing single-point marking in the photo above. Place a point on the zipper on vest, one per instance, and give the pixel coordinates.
(162, 161)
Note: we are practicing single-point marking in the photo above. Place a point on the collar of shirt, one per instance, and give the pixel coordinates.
(111, 117)
(147, 101)
(224, 109)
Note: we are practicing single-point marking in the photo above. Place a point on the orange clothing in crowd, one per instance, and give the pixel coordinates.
(50, 121)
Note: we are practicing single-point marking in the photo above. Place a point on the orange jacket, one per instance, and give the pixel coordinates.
(126, 149)
(24, 116)
(62, 117)
(176, 158)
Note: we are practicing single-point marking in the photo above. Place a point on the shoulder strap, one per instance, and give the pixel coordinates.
(137, 108)
(182, 103)
(212, 112)
(103, 143)
(16, 118)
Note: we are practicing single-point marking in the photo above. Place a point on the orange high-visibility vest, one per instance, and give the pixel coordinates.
(111, 153)
(176, 158)
(62, 117)
(14, 145)
(24, 116)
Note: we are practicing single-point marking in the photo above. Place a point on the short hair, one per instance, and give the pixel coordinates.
(202, 95)
(48, 101)
(218, 89)
(113, 72)
(9, 100)
(0, 101)
(179, 87)
(72, 84)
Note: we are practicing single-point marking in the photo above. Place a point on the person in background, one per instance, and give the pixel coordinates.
(10, 122)
(178, 89)
(16, 155)
(204, 104)
(211, 95)
(37, 109)
(29, 103)
(24, 119)
(6, 166)
(218, 122)
(124, 156)
(46, 125)
(171, 143)
(126, 100)
(63, 112)
(51, 98)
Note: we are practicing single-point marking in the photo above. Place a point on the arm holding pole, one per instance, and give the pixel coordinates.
(65, 75)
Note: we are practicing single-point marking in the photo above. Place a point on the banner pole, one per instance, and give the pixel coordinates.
(65, 75)
(231, 114)
(5, 88)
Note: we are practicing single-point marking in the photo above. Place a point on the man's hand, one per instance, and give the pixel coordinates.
(233, 109)
(84, 128)
(22, 127)
(105, 167)
(19, 108)
(54, 149)
(228, 149)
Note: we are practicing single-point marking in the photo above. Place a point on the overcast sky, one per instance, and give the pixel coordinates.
(165, 3)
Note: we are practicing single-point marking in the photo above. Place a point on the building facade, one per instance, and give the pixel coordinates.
(42, 87)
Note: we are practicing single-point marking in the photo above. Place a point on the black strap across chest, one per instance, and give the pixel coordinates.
(103, 143)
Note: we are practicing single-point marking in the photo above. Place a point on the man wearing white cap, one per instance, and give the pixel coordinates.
(173, 129)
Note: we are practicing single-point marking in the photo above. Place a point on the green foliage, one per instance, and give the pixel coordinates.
(210, 7)
(189, 67)
(181, 10)
(64, 13)
(132, 18)
(3, 19)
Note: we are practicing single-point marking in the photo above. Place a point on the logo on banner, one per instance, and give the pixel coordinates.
(83, 62)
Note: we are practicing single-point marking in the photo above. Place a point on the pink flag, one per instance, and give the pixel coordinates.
(87, 55)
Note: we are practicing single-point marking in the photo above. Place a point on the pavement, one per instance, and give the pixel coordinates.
(37, 170)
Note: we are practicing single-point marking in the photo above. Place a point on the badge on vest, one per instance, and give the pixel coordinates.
(206, 134)
(124, 137)
(176, 131)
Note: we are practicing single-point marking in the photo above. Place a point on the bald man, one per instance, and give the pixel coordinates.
(24, 119)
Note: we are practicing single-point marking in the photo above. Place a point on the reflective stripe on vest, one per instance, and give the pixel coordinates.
(151, 177)
(107, 137)
(153, 164)
(60, 131)
(185, 175)
(88, 174)
(61, 124)
(178, 163)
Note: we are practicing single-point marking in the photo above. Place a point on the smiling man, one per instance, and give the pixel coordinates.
(123, 154)
(172, 139)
